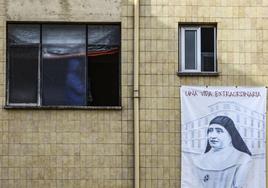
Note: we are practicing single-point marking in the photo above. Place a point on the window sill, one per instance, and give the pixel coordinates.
(8, 107)
(198, 73)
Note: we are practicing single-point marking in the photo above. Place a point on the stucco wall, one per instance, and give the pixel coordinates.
(64, 10)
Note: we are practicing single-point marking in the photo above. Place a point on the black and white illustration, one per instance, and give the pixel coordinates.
(223, 137)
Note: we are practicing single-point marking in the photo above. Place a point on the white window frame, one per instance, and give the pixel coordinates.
(197, 48)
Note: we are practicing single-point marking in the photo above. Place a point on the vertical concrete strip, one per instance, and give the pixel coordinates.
(136, 94)
(2, 48)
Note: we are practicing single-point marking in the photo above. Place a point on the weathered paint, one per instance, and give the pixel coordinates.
(63, 10)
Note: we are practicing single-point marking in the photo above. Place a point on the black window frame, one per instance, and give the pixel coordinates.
(38, 104)
(180, 71)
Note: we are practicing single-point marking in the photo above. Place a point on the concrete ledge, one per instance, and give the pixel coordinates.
(198, 73)
(10, 107)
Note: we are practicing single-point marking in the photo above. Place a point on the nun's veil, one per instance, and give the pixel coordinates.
(228, 124)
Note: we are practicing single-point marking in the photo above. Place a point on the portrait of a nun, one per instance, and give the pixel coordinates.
(226, 159)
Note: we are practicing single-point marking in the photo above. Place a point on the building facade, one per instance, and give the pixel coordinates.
(70, 147)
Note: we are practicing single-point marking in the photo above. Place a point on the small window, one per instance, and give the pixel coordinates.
(63, 65)
(198, 49)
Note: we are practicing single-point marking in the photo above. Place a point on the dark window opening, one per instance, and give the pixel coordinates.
(197, 49)
(104, 89)
(23, 57)
(207, 49)
(23, 63)
(64, 65)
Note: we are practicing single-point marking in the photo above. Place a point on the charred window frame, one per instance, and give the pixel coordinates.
(63, 65)
(197, 49)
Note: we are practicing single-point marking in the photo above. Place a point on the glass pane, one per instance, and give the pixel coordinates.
(190, 49)
(207, 39)
(64, 34)
(207, 49)
(103, 65)
(104, 35)
(23, 56)
(64, 72)
(103, 70)
(23, 69)
(23, 34)
(207, 61)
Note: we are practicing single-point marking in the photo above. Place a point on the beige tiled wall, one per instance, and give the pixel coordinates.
(242, 60)
(65, 148)
(89, 148)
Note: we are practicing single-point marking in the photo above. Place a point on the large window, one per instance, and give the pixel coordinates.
(198, 48)
(63, 65)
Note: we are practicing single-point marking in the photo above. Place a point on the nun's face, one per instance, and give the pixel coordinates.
(218, 137)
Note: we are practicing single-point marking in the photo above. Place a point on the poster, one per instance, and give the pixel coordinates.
(223, 137)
